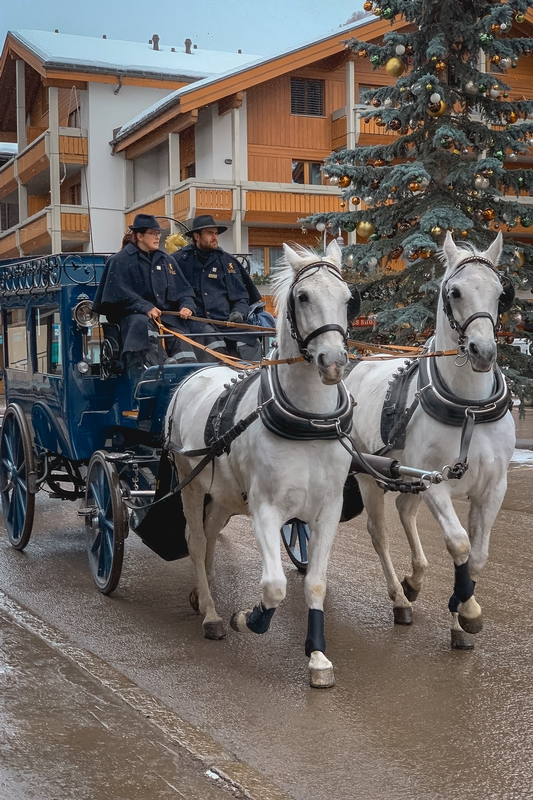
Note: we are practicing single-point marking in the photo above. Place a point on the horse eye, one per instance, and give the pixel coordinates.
(455, 293)
(303, 297)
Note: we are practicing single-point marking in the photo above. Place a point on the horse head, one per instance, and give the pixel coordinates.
(312, 300)
(473, 298)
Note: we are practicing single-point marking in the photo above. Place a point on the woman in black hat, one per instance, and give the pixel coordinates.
(139, 284)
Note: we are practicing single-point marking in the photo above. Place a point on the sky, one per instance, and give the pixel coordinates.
(261, 28)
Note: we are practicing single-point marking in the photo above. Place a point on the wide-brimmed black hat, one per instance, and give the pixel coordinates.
(145, 221)
(204, 221)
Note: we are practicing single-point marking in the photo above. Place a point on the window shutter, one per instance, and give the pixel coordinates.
(307, 97)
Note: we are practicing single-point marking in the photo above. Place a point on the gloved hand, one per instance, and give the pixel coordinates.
(236, 316)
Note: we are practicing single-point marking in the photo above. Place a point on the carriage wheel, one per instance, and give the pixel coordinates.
(295, 536)
(107, 524)
(16, 464)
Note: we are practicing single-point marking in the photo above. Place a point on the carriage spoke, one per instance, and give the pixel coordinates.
(302, 538)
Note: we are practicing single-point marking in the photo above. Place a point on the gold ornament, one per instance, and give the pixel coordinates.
(365, 229)
(175, 242)
(379, 162)
(367, 5)
(394, 67)
(344, 181)
(488, 214)
(440, 112)
(363, 53)
(513, 116)
(495, 59)
(436, 230)
(414, 186)
(440, 66)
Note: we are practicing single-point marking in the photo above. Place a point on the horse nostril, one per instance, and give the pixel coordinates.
(473, 349)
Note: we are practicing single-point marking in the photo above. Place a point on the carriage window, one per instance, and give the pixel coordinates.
(17, 344)
(48, 340)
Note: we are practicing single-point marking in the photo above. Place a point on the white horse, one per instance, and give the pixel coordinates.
(470, 303)
(268, 477)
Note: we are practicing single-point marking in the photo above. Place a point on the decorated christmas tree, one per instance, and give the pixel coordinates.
(458, 162)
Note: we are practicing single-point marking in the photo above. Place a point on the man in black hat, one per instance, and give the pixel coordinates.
(139, 284)
(223, 289)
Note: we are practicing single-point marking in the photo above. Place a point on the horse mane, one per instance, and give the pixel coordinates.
(464, 247)
(285, 274)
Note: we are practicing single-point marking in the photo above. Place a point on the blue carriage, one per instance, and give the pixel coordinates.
(70, 427)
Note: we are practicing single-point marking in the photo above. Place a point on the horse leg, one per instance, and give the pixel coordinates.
(321, 675)
(193, 506)
(408, 505)
(267, 523)
(465, 610)
(373, 499)
(216, 517)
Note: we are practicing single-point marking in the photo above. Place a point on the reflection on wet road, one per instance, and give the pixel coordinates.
(408, 718)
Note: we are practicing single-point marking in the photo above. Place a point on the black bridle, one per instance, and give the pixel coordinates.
(291, 311)
(504, 304)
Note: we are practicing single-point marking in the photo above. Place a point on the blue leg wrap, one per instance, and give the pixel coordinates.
(315, 632)
(463, 588)
(259, 619)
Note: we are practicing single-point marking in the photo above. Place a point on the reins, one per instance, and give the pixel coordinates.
(237, 363)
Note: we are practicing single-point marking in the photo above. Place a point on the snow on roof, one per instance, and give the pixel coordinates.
(173, 98)
(65, 50)
(8, 148)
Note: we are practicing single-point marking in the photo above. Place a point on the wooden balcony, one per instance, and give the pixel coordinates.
(33, 235)
(33, 160)
(287, 207)
(155, 207)
(73, 146)
(195, 200)
(8, 182)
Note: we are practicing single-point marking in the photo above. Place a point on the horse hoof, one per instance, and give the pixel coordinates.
(214, 630)
(403, 615)
(471, 625)
(193, 600)
(460, 640)
(321, 675)
(408, 591)
(238, 621)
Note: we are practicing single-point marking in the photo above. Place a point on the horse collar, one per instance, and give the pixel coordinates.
(283, 419)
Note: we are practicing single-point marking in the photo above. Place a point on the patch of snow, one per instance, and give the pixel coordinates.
(522, 457)
(8, 148)
(64, 49)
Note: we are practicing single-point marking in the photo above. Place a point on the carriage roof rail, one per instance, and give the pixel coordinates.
(33, 274)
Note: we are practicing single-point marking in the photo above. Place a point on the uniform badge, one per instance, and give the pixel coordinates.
(171, 268)
(212, 275)
(231, 267)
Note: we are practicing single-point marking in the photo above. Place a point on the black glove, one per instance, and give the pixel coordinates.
(236, 316)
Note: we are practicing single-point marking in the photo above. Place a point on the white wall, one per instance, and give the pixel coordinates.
(101, 112)
(213, 144)
(150, 172)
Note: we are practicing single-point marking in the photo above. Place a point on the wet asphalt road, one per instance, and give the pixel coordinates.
(408, 718)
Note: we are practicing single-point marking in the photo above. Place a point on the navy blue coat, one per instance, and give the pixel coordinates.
(220, 284)
(134, 282)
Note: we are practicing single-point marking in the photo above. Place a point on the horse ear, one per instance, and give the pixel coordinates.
(334, 252)
(449, 248)
(291, 257)
(495, 250)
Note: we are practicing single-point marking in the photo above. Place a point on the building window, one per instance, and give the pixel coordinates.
(307, 97)
(264, 260)
(74, 119)
(74, 194)
(9, 216)
(16, 339)
(48, 340)
(307, 172)
(190, 170)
